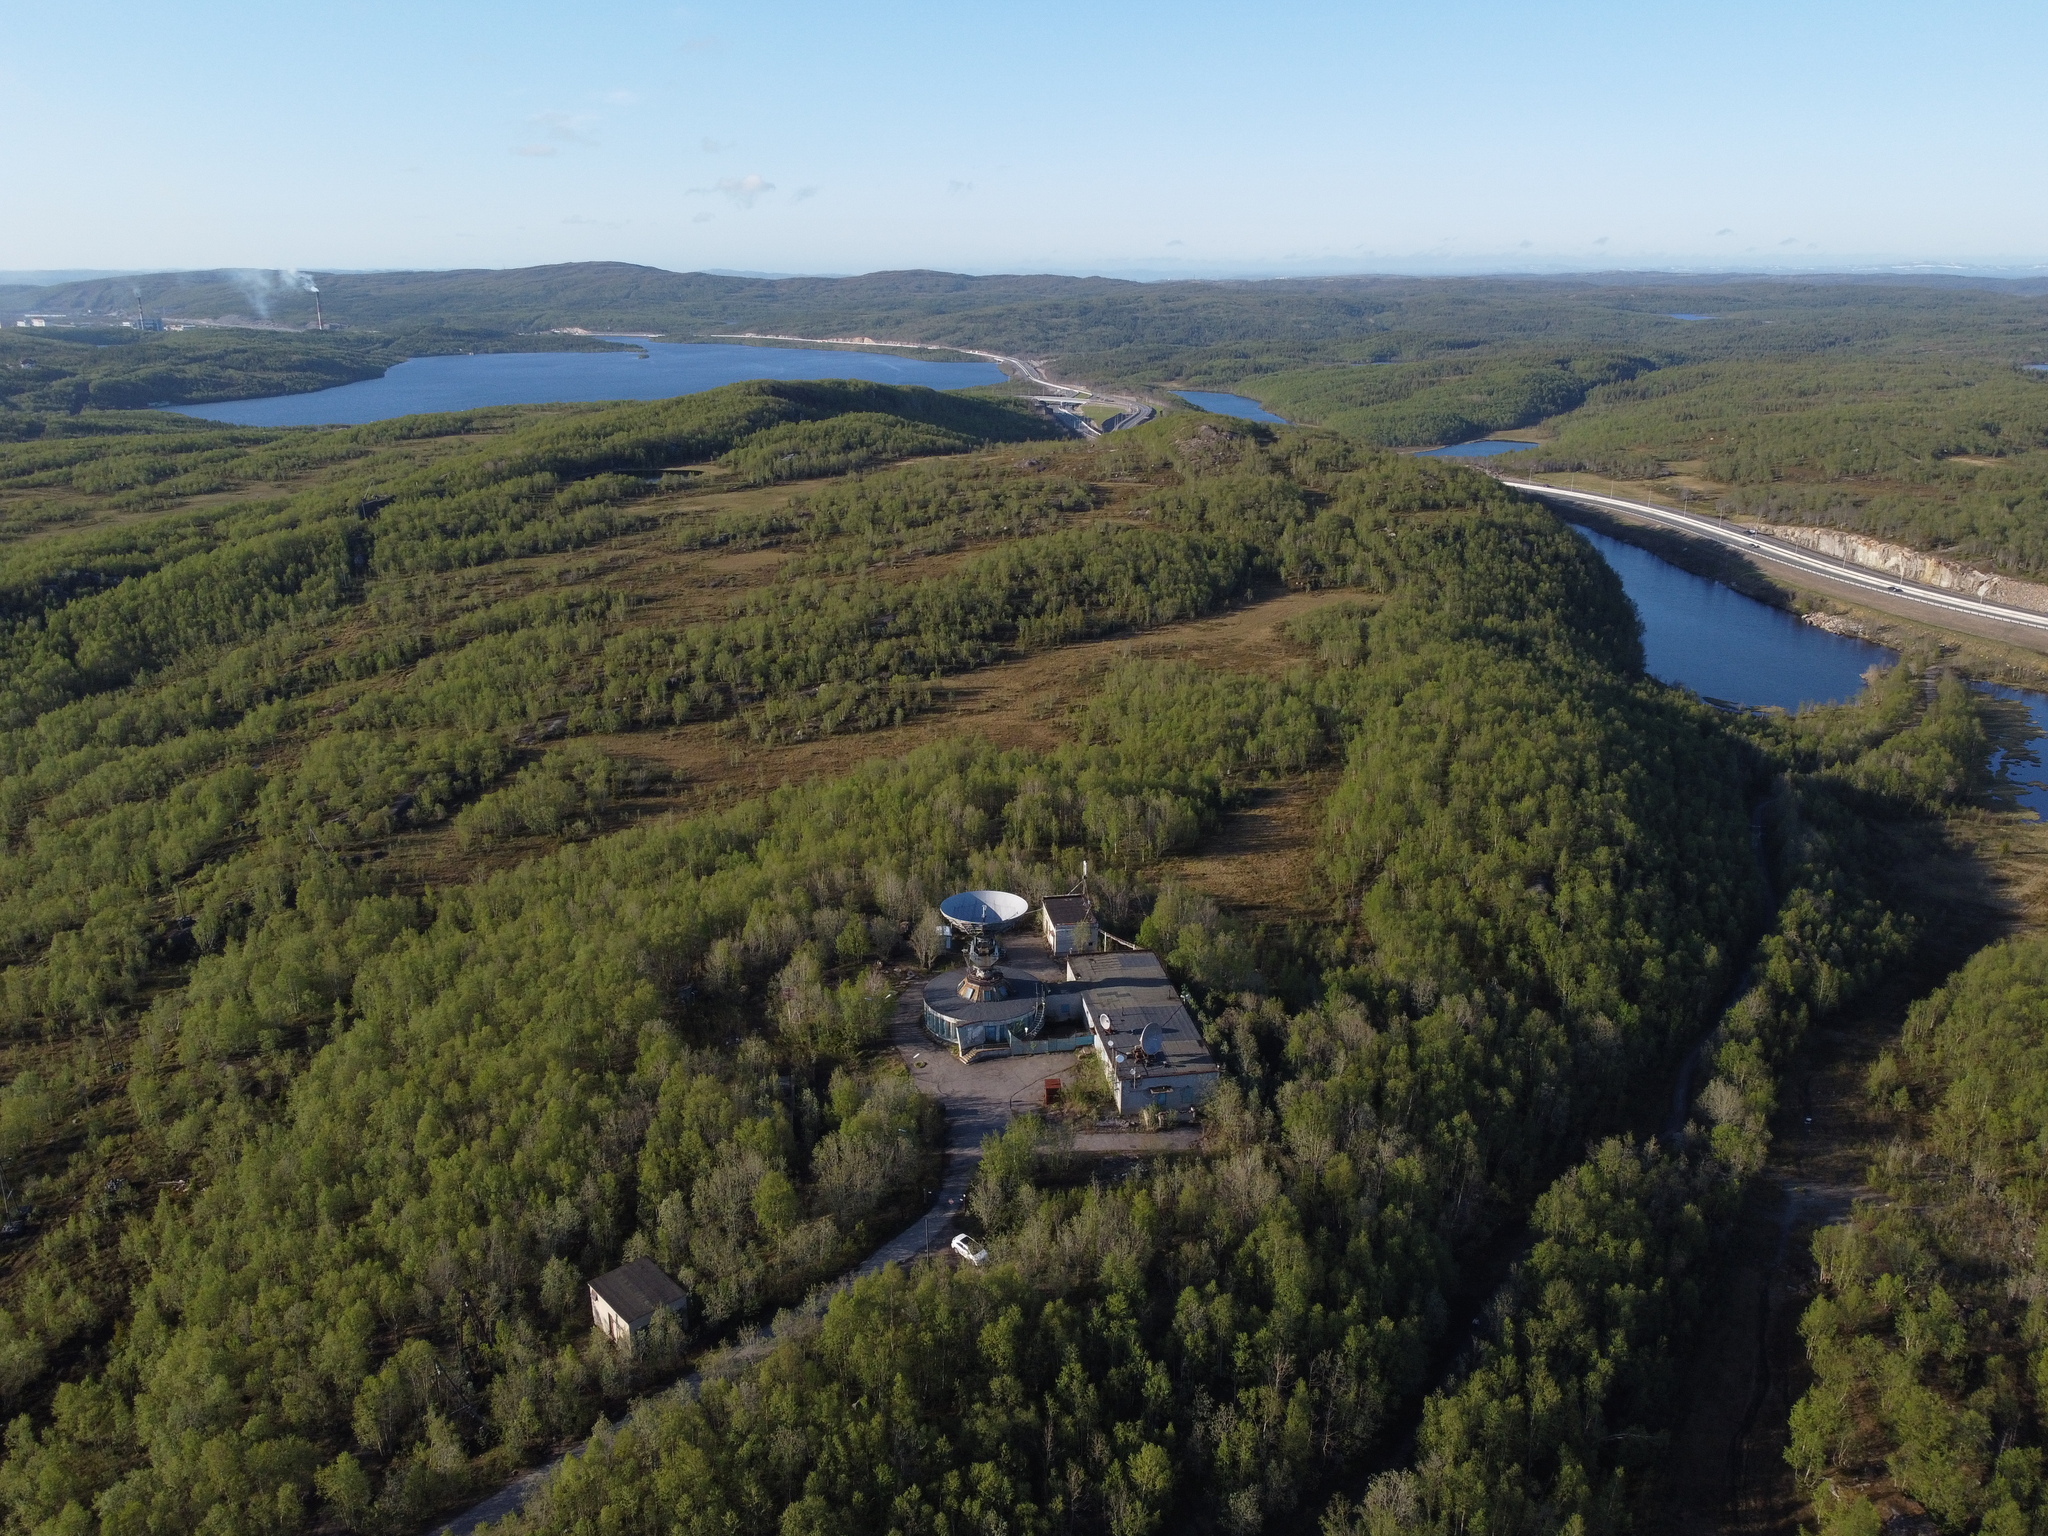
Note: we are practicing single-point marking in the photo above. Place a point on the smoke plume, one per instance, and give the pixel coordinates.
(261, 285)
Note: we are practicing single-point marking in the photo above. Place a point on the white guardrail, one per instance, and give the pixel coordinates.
(1793, 556)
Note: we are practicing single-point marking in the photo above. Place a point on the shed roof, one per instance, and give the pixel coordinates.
(637, 1290)
(1066, 911)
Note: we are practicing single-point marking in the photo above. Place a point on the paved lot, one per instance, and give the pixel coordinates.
(980, 1097)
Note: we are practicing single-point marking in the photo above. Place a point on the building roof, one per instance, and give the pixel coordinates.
(1066, 911)
(1124, 965)
(942, 996)
(1129, 992)
(637, 1290)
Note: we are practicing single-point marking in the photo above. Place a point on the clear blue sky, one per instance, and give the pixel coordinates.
(1061, 135)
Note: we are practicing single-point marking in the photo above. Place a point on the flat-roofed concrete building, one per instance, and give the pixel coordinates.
(1143, 1032)
(624, 1303)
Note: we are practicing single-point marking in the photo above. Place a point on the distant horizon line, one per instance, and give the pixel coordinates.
(50, 277)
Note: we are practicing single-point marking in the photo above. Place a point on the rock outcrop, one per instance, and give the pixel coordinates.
(1912, 565)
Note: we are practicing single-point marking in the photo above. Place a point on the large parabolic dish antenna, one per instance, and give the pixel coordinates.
(983, 911)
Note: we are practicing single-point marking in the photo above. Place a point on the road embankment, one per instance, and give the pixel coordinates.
(1891, 610)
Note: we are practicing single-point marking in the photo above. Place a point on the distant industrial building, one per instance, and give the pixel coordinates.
(625, 1302)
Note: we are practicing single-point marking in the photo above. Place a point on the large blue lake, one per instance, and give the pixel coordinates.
(1219, 404)
(657, 371)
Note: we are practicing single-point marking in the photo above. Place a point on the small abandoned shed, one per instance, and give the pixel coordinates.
(1069, 924)
(624, 1302)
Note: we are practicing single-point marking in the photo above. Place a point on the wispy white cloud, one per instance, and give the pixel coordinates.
(697, 45)
(621, 97)
(569, 127)
(742, 191)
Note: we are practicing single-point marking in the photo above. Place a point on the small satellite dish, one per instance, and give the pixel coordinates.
(983, 911)
(1151, 1040)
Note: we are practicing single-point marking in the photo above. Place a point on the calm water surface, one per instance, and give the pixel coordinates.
(2020, 762)
(1722, 645)
(545, 378)
(1485, 448)
(1228, 405)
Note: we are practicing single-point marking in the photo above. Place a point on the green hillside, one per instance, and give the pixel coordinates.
(446, 857)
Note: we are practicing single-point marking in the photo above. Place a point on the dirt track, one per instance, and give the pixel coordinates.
(1978, 880)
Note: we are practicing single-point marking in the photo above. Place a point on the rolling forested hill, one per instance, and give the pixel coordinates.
(445, 857)
(1909, 409)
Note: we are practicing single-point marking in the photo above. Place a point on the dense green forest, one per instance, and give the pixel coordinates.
(1223, 1344)
(390, 942)
(1948, 454)
(1925, 1341)
(1123, 331)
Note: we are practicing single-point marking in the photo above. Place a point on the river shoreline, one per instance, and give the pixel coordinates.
(1980, 657)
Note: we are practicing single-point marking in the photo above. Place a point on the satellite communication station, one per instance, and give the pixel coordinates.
(987, 1007)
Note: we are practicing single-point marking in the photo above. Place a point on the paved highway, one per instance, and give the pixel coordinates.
(1778, 552)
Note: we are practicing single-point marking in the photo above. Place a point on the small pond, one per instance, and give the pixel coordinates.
(657, 370)
(1485, 448)
(2020, 761)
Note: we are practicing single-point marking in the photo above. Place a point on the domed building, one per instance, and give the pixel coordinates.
(985, 1007)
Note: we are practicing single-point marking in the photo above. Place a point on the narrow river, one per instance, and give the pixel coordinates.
(1732, 649)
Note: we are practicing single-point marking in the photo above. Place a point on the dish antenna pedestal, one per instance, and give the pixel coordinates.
(980, 915)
